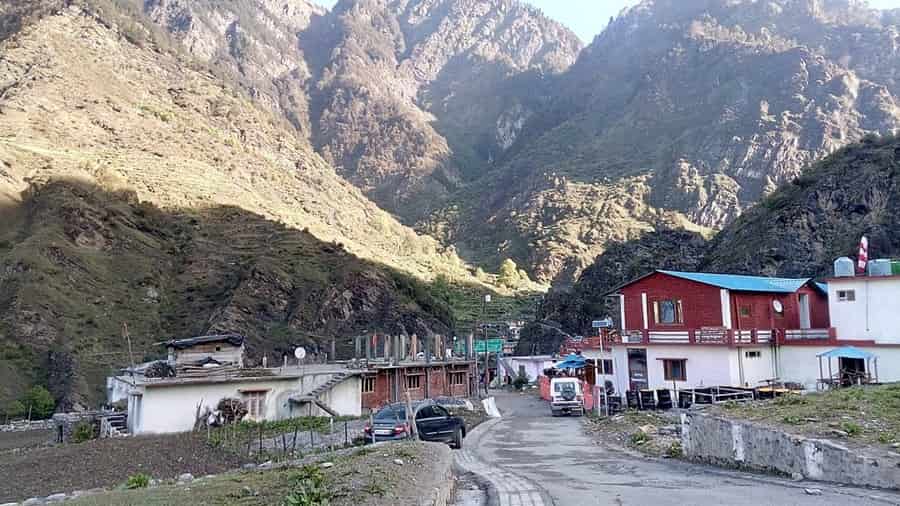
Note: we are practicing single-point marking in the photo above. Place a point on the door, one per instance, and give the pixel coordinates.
(433, 423)
(637, 369)
(804, 311)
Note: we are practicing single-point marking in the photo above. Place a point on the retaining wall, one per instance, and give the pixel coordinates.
(728, 443)
(26, 426)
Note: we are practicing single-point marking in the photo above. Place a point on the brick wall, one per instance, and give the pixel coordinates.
(440, 383)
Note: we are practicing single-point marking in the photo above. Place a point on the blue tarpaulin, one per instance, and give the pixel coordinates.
(573, 361)
(847, 352)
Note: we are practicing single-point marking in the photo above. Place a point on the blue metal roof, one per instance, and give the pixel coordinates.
(847, 352)
(823, 287)
(742, 283)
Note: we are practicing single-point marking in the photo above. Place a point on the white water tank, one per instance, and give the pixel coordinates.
(880, 267)
(844, 268)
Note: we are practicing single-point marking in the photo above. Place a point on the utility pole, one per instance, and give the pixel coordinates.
(127, 337)
(487, 370)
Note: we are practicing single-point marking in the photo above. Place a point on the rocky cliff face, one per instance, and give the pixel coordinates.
(681, 113)
(820, 216)
(406, 99)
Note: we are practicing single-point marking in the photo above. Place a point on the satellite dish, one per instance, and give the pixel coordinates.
(300, 353)
(778, 306)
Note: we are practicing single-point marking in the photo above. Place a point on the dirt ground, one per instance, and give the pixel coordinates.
(41, 471)
(649, 432)
(26, 439)
(368, 476)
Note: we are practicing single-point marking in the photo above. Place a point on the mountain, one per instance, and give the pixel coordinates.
(820, 216)
(406, 98)
(797, 231)
(681, 114)
(194, 209)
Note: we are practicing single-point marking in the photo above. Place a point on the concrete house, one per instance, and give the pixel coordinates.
(685, 329)
(208, 369)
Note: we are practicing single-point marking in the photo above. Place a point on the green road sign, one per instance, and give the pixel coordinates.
(493, 345)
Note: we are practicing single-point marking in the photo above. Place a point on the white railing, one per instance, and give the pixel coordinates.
(802, 334)
(670, 337)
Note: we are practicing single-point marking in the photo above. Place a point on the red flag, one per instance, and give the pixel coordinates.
(863, 254)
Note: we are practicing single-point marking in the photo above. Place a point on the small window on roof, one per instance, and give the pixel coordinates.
(846, 295)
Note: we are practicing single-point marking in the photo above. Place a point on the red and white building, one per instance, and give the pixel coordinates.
(685, 330)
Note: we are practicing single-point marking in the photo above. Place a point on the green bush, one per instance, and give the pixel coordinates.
(309, 489)
(139, 480)
(639, 437)
(851, 428)
(675, 450)
(521, 381)
(84, 431)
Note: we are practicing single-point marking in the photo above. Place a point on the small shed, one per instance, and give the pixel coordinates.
(854, 367)
(225, 349)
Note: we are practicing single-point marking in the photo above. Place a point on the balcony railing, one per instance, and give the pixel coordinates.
(722, 336)
(705, 335)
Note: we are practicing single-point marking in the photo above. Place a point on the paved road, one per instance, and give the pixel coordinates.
(528, 449)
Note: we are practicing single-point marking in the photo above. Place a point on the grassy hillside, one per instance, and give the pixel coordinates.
(77, 262)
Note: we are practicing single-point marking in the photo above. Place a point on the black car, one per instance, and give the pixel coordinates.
(433, 423)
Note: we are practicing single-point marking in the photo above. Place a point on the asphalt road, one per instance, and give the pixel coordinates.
(573, 469)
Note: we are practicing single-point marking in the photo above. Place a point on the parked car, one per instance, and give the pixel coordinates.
(566, 396)
(433, 423)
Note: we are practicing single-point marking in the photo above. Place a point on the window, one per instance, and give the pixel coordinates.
(746, 311)
(753, 354)
(256, 404)
(413, 382)
(668, 312)
(606, 367)
(675, 369)
(458, 378)
(846, 295)
(426, 412)
(368, 384)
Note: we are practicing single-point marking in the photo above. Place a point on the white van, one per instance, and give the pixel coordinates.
(566, 396)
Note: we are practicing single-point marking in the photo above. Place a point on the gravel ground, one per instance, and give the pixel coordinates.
(106, 463)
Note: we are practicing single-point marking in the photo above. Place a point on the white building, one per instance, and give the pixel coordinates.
(168, 405)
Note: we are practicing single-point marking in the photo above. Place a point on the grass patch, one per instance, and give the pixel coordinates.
(868, 414)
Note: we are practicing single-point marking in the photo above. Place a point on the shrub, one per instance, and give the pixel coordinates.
(521, 381)
(851, 428)
(639, 437)
(309, 489)
(139, 480)
(84, 431)
(675, 450)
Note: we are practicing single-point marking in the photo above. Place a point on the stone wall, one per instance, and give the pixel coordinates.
(728, 443)
(26, 426)
(65, 423)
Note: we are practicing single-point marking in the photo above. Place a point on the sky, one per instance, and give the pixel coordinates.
(588, 17)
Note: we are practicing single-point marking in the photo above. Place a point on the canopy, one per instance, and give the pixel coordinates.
(847, 352)
(573, 361)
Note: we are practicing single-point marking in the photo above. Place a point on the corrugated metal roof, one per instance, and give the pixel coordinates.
(742, 283)
(847, 352)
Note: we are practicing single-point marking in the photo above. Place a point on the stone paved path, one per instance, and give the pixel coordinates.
(513, 490)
